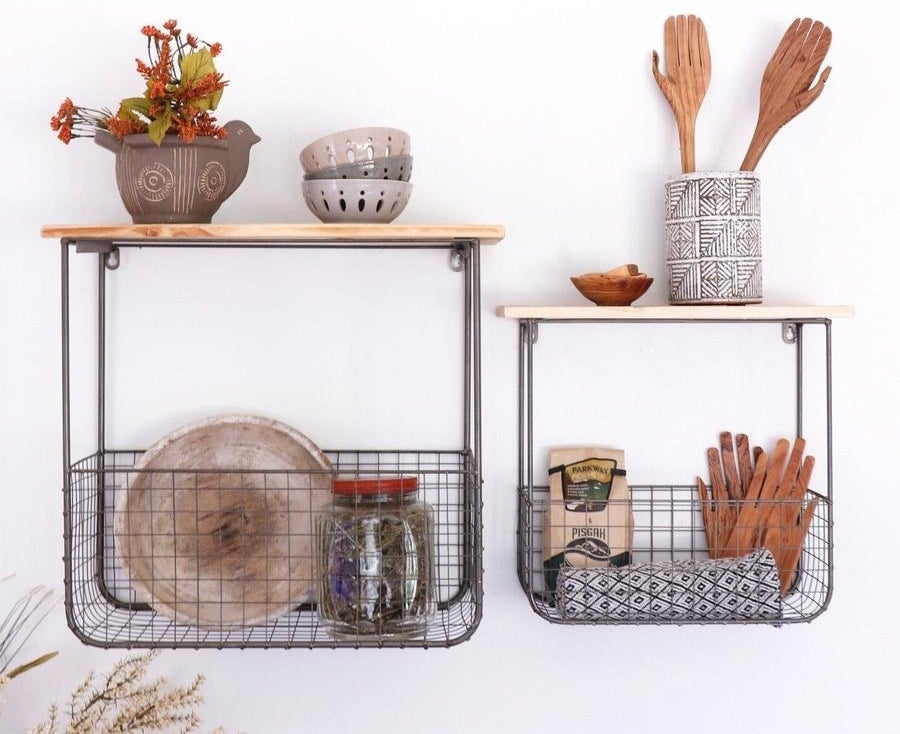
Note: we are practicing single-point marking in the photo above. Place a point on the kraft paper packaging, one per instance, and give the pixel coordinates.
(589, 523)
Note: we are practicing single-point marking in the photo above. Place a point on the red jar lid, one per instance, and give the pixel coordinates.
(368, 485)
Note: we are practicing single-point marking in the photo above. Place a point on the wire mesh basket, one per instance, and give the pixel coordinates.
(669, 576)
(109, 605)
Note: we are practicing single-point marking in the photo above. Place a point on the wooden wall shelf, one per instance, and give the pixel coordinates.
(283, 233)
(675, 313)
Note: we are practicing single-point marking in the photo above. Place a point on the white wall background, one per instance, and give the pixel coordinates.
(543, 117)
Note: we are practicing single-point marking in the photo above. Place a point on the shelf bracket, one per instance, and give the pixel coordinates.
(109, 251)
(111, 259)
(458, 258)
(533, 330)
(789, 332)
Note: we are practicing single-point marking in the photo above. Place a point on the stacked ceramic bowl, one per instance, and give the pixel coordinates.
(359, 175)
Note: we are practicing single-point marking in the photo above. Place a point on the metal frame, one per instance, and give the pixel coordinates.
(454, 625)
(529, 502)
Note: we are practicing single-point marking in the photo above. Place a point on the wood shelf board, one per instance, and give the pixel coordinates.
(375, 233)
(675, 313)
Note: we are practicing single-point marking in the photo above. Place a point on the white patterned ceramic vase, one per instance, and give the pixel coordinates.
(178, 182)
(713, 238)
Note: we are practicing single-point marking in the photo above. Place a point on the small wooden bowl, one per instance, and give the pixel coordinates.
(612, 290)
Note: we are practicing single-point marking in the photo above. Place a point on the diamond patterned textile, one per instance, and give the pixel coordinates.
(721, 589)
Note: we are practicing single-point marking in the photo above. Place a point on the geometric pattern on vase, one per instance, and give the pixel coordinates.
(681, 200)
(731, 196)
(726, 237)
(713, 238)
(682, 238)
(715, 281)
(744, 277)
(714, 235)
(745, 197)
(745, 237)
(722, 589)
(684, 281)
(747, 278)
(714, 197)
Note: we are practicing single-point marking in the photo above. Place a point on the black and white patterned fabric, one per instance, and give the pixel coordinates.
(722, 589)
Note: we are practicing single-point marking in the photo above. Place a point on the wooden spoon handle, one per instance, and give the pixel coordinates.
(687, 131)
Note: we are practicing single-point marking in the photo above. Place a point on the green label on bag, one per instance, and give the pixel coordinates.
(587, 484)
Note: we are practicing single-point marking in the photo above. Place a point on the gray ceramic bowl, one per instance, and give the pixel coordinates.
(354, 146)
(392, 169)
(356, 200)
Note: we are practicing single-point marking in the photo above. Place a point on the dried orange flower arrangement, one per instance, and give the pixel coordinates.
(182, 89)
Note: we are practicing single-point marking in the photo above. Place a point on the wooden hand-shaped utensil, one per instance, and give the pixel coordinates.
(731, 475)
(688, 71)
(787, 84)
(786, 530)
(719, 514)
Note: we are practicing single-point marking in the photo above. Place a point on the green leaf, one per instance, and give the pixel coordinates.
(135, 108)
(195, 68)
(209, 102)
(196, 65)
(160, 126)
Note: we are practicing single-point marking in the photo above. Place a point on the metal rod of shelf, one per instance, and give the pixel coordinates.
(101, 352)
(664, 320)
(521, 535)
(472, 417)
(66, 431)
(529, 412)
(829, 459)
(798, 341)
(66, 385)
(108, 246)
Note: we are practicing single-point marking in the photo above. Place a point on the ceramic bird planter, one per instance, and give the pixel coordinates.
(178, 182)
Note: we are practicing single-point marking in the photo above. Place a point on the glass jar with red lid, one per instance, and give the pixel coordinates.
(376, 575)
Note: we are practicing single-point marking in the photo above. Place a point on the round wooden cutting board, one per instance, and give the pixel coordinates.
(215, 527)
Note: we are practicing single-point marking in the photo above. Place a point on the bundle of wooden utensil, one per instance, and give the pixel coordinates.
(758, 500)
(787, 85)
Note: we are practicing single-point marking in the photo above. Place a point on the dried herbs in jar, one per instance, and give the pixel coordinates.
(375, 556)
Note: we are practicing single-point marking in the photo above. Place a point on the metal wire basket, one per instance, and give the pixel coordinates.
(105, 609)
(669, 577)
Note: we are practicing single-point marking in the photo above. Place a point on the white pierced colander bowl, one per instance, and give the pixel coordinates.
(356, 200)
(354, 146)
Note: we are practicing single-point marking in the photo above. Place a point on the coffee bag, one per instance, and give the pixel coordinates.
(589, 522)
